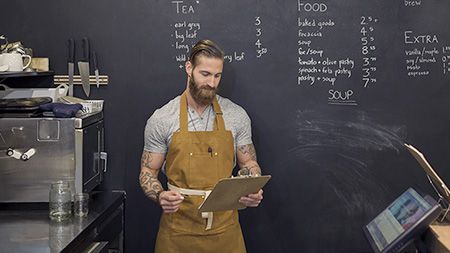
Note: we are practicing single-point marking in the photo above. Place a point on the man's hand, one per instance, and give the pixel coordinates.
(170, 201)
(252, 200)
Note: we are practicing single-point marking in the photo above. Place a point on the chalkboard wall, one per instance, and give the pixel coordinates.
(333, 88)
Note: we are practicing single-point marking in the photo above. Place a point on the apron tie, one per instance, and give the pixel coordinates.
(205, 215)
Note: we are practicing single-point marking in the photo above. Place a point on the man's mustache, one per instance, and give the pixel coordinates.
(207, 87)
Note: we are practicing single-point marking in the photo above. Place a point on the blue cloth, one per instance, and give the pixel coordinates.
(62, 110)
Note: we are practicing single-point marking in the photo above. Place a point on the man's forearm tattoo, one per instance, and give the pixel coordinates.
(148, 179)
(150, 185)
(255, 170)
(248, 150)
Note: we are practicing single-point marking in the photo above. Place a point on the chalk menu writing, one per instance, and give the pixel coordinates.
(446, 59)
(260, 48)
(424, 52)
(186, 33)
(315, 67)
(412, 3)
(319, 63)
(368, 48)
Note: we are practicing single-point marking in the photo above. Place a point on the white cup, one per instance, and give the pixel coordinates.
(14, 61)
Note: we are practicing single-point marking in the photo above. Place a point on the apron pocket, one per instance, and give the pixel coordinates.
(202, 171)
(224, 219)
(189, 220)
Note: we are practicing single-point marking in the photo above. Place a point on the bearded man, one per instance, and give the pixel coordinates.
(198, 135)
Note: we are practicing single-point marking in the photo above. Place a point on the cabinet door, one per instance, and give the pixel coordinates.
(91, 144)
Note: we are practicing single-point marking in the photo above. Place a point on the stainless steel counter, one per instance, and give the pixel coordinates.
(26, 228)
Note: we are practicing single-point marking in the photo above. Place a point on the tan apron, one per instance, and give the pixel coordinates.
(194, 164)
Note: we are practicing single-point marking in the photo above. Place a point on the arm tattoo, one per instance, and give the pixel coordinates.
(248, 150)
(255, 170)
(150, 185)
(146, 160)
(148, 179)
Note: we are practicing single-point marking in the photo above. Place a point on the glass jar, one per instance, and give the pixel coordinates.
(81, 204)
(60, 201)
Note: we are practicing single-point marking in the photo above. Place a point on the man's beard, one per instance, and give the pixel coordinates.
(203, 95)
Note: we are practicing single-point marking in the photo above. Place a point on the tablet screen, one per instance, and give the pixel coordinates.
(405, 218)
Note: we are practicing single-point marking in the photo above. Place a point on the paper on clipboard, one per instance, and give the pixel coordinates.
(228, 191)
(437, 181)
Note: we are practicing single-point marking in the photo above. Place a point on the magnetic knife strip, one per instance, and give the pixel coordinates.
(59, 79)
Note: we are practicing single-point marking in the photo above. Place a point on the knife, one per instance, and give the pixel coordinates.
(83, 66)
(97, 77)
(70, 64)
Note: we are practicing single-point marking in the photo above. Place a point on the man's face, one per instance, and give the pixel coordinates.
(204, 79)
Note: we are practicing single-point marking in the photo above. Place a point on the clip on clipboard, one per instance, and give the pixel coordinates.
(228, 191)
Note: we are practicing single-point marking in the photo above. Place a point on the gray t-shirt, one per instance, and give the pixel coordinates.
(166, 120)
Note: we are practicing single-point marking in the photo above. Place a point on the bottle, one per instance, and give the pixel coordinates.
(60, 201)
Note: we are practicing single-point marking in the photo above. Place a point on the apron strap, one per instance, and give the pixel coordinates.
(183, 113)
(219, 123)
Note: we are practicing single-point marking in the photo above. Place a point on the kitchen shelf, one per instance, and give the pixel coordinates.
(25, 74)
(43, 79)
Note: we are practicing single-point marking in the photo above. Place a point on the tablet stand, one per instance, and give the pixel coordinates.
(442, 201)
(420, 245)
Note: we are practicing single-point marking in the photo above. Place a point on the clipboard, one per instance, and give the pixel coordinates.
(228, 191)
(434, 177)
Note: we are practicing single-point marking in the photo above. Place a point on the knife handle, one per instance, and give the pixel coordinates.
(94, 57)
(85, 46)
(71, 51)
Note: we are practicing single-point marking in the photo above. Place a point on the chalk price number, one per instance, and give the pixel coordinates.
(260, 49)
(367, 50)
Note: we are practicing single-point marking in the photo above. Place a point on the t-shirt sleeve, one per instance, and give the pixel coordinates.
(244, 131)
(155, 137)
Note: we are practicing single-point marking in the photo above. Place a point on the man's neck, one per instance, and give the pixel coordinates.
(196, 106)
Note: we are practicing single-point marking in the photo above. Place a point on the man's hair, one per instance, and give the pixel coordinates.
(205, 48)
